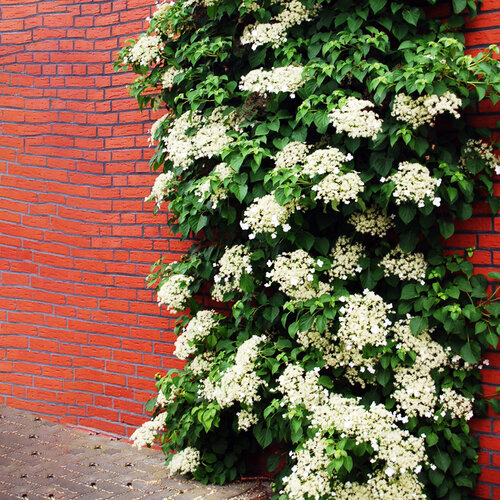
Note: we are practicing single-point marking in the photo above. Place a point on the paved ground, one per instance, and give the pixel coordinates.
(40, 459)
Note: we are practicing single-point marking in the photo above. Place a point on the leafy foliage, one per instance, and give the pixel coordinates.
(372, 50)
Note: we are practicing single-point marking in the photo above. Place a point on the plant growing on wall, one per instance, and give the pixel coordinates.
(319, 153)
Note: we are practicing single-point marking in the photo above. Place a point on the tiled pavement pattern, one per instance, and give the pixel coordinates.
(41, 459)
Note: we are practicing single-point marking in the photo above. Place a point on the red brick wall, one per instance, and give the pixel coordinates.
(80, 335)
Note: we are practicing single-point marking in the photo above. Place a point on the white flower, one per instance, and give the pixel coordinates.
(163, 186)
(339, 188)
(209, 138)
(233, 263)
(324, 161)
(281, 79)
(459, 406)
(355, 120)
(423, 110)
(239, 382)
(345, 256)
(414, 183)
(167, 80)
(372, 221)
(195, 331)
(185, 461)
(265, 214)
(220, 173)
(406, 266)
(146, 49)
(146, 434)
(293, 153)
(294, 272)
(175, 292)
(274, 32)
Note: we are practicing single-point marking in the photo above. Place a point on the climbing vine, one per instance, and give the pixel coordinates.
(318, 155)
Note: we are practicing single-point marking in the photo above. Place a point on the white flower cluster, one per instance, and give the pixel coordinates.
(299, 387)
(373, 221)
(314, 338)
(175, 292)
(162, 400)
(335, 356)
(459, 406)
(283, 79)
(414, 183)
(208, 140)
(424, 109)
(401, 452)
(376, 425)
(232, 265)
(198, 328)
(146, 49)
(309, 477)
(345, 256)
(202, 363)
(265, 215)
(274, 32)
(161, 8)
(483, 151)
(293, 153)
(294, 273)
(146, 434)
(239, 383)
(163, 186)
(325, 161)
(156, 126)
(355, 120)
(185, 461)
(220, 173)
(339, 188)
(363, 320)
(380, 486)
(416, 390)
(167, 80)
(406, 266)
(246, 419)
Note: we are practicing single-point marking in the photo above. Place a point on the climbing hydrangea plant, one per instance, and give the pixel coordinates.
(318, 153)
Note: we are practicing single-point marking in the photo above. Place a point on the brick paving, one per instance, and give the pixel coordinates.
(40, 459)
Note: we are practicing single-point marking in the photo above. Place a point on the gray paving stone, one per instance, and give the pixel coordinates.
(42, 459)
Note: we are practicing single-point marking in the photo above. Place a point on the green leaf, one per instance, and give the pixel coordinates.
(494, 309)
(407, 212)
(247, 283)
(459, 6)
(409, 291)
(471, 352)
(325, 381)
(321, 120)
(242, 192)
(446, 228)
(263, 435)
(442, 460)
(150, 405)
(431, 439)
(383, 377)
(411, 16)
(436, 477)
(377, 5)
(408, 241)
(354, 23)
(495, 405)
(418, 324)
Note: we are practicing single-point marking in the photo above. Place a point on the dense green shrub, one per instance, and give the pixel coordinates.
(319, 152)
